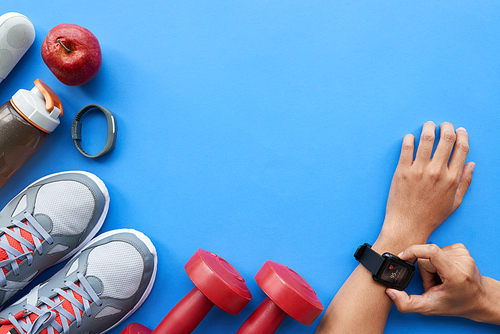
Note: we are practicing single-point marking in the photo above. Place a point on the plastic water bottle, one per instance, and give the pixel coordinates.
(25, 124)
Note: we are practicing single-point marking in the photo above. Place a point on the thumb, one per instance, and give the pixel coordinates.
(406, 303)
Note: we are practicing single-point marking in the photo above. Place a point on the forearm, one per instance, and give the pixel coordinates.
(361, 305)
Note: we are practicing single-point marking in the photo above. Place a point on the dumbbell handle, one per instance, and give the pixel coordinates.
(264, 320)
(186, 315)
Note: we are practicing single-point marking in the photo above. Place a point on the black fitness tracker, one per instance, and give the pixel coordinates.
(387, 269)
(76, 131)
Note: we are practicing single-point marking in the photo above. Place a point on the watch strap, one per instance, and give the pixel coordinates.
(76, 130)
(370, 259)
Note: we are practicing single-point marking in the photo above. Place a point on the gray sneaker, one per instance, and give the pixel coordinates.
(97, 289)
(47, 223)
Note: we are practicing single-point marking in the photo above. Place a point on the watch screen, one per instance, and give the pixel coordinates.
(394, 273)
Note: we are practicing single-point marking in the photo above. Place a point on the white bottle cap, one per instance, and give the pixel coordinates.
(39, 106)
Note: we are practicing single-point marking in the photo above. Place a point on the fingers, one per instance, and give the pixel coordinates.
(426, 143)
(445, 145)
(406, 157)
(450, 141)
(445, 266)
(457, 160)
(405, 303)
(428, 273)
(463, 185)
(456, 249)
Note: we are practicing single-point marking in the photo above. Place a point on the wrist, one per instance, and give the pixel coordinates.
(394, 241)
(410, 230)
(487, 306)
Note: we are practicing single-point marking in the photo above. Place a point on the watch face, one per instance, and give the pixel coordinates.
(396, 273)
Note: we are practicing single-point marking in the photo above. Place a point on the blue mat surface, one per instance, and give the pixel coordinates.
(270, 130)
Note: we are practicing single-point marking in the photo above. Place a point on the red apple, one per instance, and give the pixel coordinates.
(72, 53)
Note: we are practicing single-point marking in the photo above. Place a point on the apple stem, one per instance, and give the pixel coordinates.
(64, 46)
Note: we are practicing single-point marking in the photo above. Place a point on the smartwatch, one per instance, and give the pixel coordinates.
(387, 269)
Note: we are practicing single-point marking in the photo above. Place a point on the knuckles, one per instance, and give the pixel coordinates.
(435, 173)
(462, 147)
(407, 146)
(458, 245)
(463, 278)
(405, 307)
(434, 250)
(449, 136)
(428, 137)
(471, 264)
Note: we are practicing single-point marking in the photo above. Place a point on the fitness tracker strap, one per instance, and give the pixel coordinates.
(76, 130)
(370, 259)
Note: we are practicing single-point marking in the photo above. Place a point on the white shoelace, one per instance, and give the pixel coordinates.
(48, 311)
(38, 233)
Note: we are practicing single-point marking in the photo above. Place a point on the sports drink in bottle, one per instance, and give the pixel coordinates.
(25, 124)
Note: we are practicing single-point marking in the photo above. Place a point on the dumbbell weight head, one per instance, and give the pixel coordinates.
(218, 281)
(135, 328)
(288, 293)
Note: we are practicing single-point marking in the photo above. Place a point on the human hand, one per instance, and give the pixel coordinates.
(452, 283)
(426, 191)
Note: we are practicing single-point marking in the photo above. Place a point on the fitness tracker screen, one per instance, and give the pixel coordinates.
(394, 273)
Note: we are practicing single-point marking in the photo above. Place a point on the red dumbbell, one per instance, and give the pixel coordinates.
(135, 328)
(288, 293)
(216, 283)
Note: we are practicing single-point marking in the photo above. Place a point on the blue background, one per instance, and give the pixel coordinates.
(270, 130)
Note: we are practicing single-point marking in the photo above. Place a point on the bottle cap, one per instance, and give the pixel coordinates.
(39, 106)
